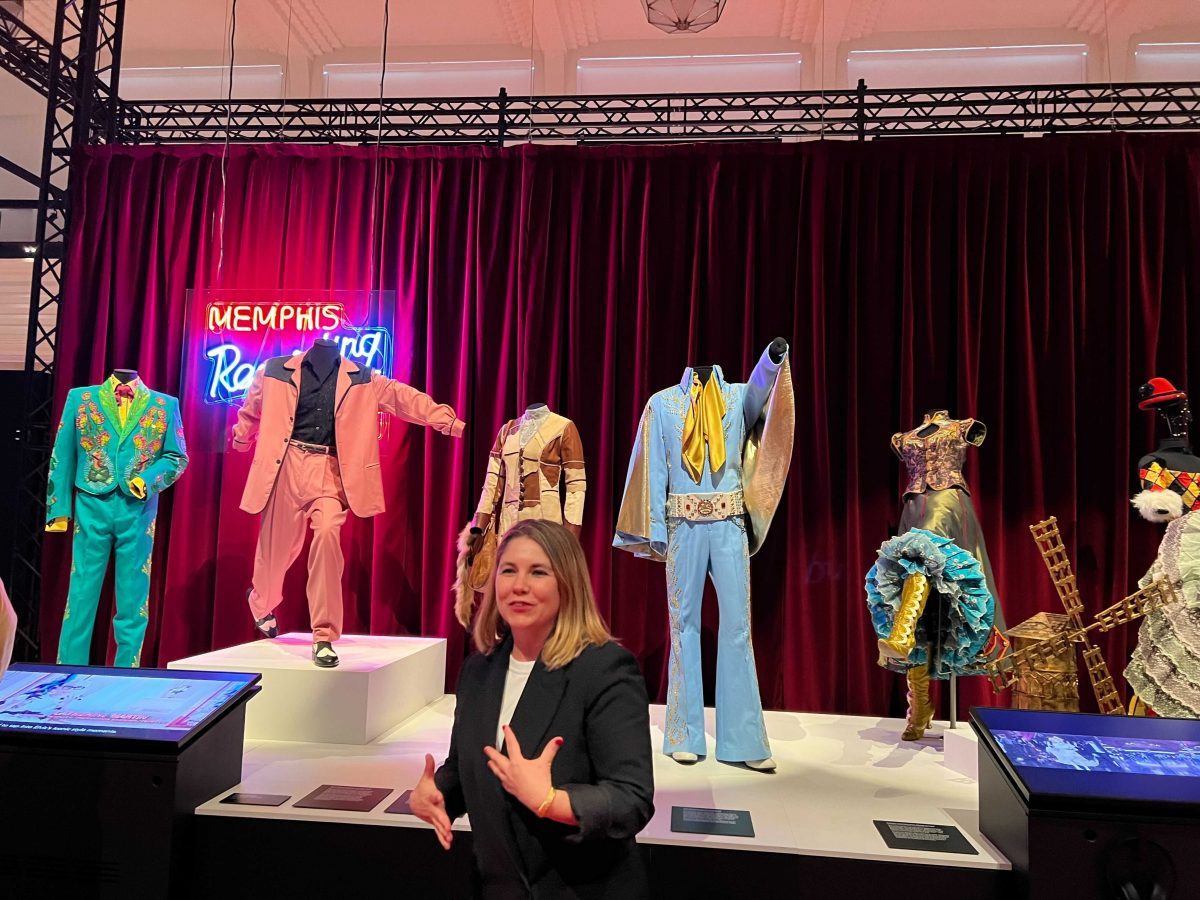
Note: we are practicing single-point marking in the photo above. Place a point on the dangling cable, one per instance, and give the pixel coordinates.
(824, 98)
(377, 239)
(225, 148)
(523, 205)
(1112, 89)
(287, 59)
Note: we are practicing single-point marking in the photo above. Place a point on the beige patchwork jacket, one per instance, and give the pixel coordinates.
(535, 471)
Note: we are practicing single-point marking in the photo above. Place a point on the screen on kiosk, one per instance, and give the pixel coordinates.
(137, 704)
(1101, 757)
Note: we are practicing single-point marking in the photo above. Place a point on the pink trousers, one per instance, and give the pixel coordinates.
(309, 488)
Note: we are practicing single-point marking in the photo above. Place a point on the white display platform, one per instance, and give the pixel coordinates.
(961, 748)
(380, 682)
(837, 774)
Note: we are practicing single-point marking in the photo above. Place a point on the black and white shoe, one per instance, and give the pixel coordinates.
(324, 655)
(267, 624)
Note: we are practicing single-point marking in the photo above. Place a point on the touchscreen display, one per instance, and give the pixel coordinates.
(1092, 753)
(140, 704)
(1106, 758)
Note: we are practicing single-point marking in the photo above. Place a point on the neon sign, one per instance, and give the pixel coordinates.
(254, 317)
(246, 330)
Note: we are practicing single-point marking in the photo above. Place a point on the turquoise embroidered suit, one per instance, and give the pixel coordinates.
(95, 458)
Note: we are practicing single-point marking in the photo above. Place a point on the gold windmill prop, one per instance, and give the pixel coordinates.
(1007, 670)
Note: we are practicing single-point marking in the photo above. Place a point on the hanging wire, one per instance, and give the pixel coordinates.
(225, 147)
(523, 206)
(1112, 89)
(287, 59)
(377, 238)
(532, 68)
(824, 99)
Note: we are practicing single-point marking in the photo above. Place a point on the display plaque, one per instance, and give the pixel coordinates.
(242, 798)
(346, 797)
(702, 820)
(924, 836)
(402, 805)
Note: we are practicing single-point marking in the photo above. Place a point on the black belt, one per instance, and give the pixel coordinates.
(313, 448)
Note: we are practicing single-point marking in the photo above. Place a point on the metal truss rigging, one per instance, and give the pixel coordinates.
(860, 114)
(79, 81)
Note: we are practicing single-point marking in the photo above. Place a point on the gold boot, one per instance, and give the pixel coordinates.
(900, 642)
(1136, 706)
(920, 710)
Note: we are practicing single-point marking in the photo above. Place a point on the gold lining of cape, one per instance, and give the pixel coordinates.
(767, 456)
(634, 516)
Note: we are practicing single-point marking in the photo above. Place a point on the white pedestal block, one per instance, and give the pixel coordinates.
(380, 682)
(960, 749)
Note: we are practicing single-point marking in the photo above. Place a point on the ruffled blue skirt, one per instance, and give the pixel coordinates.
(957, 623)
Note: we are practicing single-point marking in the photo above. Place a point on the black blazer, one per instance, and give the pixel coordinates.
(598, 705)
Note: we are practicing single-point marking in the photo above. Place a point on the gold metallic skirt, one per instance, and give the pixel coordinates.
(951, 514)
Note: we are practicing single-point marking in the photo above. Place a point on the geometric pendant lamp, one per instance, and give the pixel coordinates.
(675, 16)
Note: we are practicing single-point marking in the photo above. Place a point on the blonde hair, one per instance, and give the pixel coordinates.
(578, 624)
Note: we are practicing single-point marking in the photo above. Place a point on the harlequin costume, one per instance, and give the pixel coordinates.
(1164, 670)
(315, 482)
(113, 455)
(931, 592)
(704, 480)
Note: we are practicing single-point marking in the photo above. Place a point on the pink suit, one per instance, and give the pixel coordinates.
(290, 486)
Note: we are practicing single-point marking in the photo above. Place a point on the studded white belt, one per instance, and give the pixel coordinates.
(705, 507)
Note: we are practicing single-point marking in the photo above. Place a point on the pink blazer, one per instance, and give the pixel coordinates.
(270, 409)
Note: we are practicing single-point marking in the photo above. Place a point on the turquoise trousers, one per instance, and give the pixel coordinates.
(113, 521)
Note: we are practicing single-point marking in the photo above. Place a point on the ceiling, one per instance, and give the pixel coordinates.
(307, 33)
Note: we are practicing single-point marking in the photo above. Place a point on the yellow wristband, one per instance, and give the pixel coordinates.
(541, 810)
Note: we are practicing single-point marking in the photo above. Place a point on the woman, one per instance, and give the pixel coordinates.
(550, 752)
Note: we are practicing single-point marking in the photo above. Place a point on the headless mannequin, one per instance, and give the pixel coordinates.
(917, 585)
(777, 350)
(475, 541)
(974, 435)
(323, 356)
(1174, 451)
(137, 487)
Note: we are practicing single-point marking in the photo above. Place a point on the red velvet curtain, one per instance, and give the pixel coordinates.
(1032, 284)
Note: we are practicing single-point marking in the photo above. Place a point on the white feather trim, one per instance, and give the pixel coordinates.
(1158, 506)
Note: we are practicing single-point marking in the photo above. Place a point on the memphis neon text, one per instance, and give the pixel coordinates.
(251, 317)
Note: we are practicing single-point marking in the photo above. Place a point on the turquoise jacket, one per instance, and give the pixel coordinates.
(94, 453)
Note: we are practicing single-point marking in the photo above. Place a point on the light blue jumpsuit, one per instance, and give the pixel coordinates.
(695, 550)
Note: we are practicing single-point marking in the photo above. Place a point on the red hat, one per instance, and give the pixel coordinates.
(1158, 392)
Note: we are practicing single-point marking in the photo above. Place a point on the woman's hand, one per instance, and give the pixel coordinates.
(526, 779)
(428, 804)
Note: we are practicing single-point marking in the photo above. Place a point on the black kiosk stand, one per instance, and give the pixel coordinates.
(102, 769)
(1090, 806)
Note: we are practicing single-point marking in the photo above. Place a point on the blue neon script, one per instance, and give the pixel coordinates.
(230, 373)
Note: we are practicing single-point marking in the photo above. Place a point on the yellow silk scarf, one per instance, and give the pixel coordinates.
(704, 426)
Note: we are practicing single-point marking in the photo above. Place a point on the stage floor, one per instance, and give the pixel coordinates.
(837, 775)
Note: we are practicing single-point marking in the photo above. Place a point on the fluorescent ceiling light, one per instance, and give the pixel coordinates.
(125, 69)
(958, 49)
(687, 56)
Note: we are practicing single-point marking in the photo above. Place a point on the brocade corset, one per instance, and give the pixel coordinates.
(935, 461)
